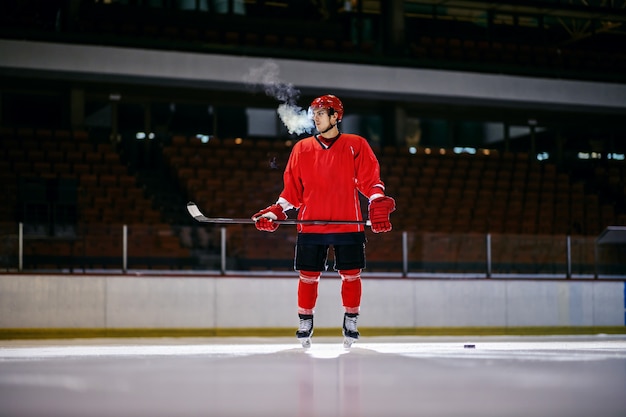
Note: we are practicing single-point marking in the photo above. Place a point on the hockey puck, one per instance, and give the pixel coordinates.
(469, 346)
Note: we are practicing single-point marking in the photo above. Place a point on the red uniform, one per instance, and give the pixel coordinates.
(323, 182)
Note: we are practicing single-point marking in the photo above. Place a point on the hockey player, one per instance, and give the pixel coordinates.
(322, 180)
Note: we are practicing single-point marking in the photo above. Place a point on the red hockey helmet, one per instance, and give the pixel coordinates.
(329, 102)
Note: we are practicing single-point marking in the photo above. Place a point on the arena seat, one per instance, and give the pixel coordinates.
(106, 193)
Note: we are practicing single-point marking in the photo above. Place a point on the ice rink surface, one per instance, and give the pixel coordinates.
(379, 376)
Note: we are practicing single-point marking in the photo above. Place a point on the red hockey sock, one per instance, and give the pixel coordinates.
(351, 289)
(307, 291)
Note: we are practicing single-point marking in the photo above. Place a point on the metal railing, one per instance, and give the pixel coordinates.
(243, 249)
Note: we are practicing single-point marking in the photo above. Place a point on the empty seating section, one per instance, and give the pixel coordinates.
(276, 27)
(265, 26)
(104, 197)
(447, 201)
(518, 55)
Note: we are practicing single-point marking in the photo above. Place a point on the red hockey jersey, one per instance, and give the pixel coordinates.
(323, 183)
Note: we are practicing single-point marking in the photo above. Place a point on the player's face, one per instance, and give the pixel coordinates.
(321, 119)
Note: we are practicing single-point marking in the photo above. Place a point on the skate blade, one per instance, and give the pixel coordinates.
(305, 342)
(348, 341)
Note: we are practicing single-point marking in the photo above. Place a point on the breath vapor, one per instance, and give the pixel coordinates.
(294, 117)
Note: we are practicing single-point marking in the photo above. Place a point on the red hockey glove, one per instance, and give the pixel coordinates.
(380, 209)
(264, 219)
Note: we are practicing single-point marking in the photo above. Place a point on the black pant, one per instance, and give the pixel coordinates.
(314, 257)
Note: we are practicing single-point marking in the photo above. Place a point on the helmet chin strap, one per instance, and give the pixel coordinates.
(329, 128)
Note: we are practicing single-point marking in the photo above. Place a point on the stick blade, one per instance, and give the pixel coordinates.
(195, 212)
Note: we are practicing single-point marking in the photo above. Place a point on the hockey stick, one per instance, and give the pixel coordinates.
(195, 212)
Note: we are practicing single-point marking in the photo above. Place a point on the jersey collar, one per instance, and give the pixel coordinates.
(326, 143)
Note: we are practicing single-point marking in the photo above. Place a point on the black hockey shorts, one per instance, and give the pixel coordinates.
(314, 257)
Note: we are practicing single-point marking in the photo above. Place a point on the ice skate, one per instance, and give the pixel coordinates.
(350, 332)
(305, 331)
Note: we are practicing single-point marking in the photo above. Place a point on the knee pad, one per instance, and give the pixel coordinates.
(310, 277)
(350, 274)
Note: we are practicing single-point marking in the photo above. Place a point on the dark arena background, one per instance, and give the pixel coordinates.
(500, 131)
